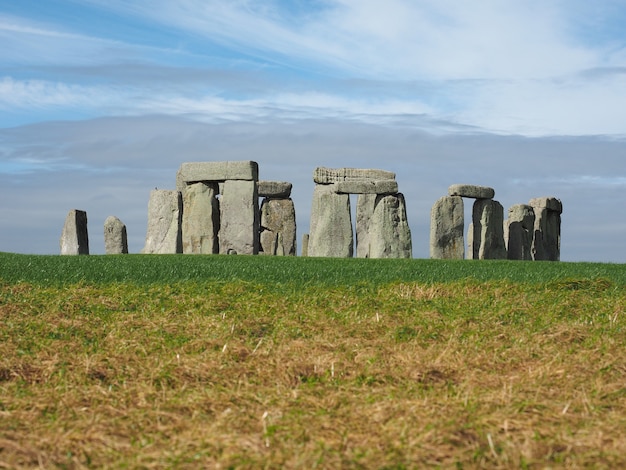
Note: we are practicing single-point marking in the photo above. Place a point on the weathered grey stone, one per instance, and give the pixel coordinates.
(115, 237)
(550, 203)
(471, 191)
(323, 175)
(365, 205)
(275, 189)
(518, 232)
(331, 228)
(194, 172)
(305, 244)
(201, 219)
(389, 232)
(488, 225)
(547, 235)
(366, 187)
(446, 228)
(74, 237)
(239, 218)
(164, 222)
(469, 253)
(278, 227)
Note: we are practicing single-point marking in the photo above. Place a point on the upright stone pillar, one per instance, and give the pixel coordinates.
(331, 226)
(75, 238)
(518, 232)
(278, 227)
(547, 236)
(364, 211)
(201, 218)
(164, 222)
(446, 228)
(488, 221)
(305, 244)
(239, 217)
(389, 232)
(115, 237)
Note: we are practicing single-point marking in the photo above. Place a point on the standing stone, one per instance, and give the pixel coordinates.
(201, 219)
(115, 238)
(239, 218)
(446, 228)
(164, 222)
(305, 244)
(364, 210)
(547, 237)
(518, 232)
(389, 232)
(75, 238)
(488, 223)
(469, 253)
(331, 226)
(278, 227)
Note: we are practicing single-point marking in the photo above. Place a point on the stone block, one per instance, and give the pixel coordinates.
(305, 244)
(331, 226)
(115, 236)
(365, 206)
(278, 227)
(518, 232)
(275, 189)
(239, 218)
(446, 228)
(389, 232)
(366, 187)
(471, 191)
(164, 235)
(550, 203)
(488, 227)
(546, 244)
(201, 219)
(75, 237)
(323, 175)
(194, 172)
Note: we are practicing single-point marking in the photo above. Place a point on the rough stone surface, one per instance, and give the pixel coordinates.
(469, 253)
(550, 203)
(239, 218)
(305, 244)
(278, 227)
(364, 210)
(115, 237)
(201, 219)
(547, 235)
(518, 232)
(389, 232)
(74, 237)
(331, 226)
(164, 222)
(322, 175)
(275, 189)
(194, 172)
(488, 226)
(366, 187)
(471, 191)
(446, 228)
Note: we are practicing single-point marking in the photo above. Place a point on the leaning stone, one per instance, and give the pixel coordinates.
(389, 232)
(331, 227)
(75, 238)
(239, 218)
(278, 227)
(275, 189)
(488, 225)
(366, 187)
(201, 219)
(471, 191)
(518, 232)
(194, 172)
(305, 244)
(164, 222)
(115, 237)
(547, 237)
(323, 175)
(550, 203)
(446, 228)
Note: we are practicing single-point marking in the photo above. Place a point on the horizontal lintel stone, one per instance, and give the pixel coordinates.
(194, 172)
(366, 187)
(471, 191)
(275, 189)
(323, 175)
(550, 203)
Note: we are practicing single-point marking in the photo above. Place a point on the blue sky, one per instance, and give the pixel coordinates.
(102, 100)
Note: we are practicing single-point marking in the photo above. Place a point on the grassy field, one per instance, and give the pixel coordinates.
(258, 362)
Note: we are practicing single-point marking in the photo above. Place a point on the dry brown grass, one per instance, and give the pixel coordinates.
(464, 374)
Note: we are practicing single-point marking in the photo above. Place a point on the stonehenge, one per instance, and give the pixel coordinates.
(115, 237)
(278, 219)
(546, 245)
(382, 230)
(74, 237)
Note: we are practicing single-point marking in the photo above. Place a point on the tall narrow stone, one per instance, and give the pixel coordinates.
(331, 226)
(446, 228)
(278, 227)
(364, 210)
(201, 218)
(75, 238)
(164, 235)
(239, 218)
(518, 232)
(115, 237)
(305, 244)
(389, 232)
(547, 236)
(488, 223)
